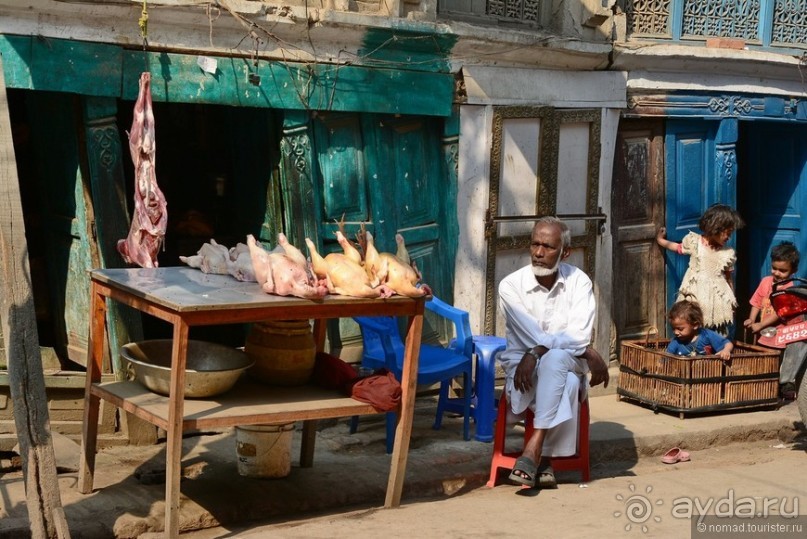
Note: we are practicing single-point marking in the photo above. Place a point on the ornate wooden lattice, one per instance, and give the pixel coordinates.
(650, 17)
(518, 10)
(721, 18)
(789, 21)
(777, 23)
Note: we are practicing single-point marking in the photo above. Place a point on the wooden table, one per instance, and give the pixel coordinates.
(187, 297)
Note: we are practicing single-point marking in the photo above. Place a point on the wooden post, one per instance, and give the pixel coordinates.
(26, 379)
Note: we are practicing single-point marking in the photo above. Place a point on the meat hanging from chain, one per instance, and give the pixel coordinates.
(150, 215)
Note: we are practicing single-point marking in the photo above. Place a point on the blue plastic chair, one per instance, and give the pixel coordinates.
(384, 348)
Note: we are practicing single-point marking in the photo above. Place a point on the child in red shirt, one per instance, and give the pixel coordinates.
(784, 264)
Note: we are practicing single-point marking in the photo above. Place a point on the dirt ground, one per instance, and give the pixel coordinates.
(649, 499)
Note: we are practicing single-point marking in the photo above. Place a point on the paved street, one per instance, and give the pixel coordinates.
(767, 472)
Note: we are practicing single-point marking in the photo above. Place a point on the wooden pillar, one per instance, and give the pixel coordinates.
(451, 153)
(297, 178)
(725, 177)
(18, 322)
(105, 163)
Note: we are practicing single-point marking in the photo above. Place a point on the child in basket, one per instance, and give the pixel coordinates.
(784, 265)
(691, 338)
(707, 280)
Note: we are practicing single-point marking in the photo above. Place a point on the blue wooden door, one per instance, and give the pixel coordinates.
(690, 185)
(774, 196)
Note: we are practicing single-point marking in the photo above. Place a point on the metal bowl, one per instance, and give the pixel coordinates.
(211, 368)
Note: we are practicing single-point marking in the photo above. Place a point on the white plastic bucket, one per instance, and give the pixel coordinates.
(264, 450)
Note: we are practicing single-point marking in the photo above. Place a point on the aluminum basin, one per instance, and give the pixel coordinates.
(211, 368)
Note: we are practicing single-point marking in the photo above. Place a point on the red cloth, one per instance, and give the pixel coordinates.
(381, 390)
(331, 372)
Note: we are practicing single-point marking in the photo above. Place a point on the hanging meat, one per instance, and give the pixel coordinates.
(150, 216)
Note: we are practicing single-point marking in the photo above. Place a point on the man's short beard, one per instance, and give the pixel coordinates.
(538, 271)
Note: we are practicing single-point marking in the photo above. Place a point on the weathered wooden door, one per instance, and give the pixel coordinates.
(690, 187)
(773, 176)
(65, 215)
(637, 206)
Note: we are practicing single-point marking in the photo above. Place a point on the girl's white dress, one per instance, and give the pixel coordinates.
(705, 280)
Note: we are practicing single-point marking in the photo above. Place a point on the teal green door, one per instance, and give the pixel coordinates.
(387, 172)
(62, 234)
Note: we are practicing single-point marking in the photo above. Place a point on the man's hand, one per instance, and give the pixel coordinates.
(525, 372)
(597, 366)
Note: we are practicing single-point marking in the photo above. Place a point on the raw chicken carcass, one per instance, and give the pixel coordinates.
(402, 253)
(349, 249)
(216, 258)
(392, 271)
(291, 251)
(343, 275)
(240, 265)
(150, 215)
(210, 258)
(283, 275)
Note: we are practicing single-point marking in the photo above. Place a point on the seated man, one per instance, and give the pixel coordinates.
(549, 314)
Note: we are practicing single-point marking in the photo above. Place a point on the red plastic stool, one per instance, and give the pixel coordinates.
(500, 459)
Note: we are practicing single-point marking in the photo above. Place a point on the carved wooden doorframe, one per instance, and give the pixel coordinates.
(551, 121)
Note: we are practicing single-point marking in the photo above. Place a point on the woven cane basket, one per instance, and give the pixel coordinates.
(683, 384)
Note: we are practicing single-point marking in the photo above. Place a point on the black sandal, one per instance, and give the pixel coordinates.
(546, 477)
(524, 471)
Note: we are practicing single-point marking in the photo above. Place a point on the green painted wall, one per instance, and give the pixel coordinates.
(104, 70)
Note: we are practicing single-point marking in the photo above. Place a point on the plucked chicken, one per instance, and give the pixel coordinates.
(390, 270)
(216, 258)
(284, 275)
(240, 264)
(150, 216)
(210, 258)
(342, 274)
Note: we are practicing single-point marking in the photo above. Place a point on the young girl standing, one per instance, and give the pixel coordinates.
(707, 280)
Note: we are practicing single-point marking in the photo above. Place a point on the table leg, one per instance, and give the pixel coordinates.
(309, 439)
(95, 357)
(307, 443)
(173, 454)
(403, 433)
